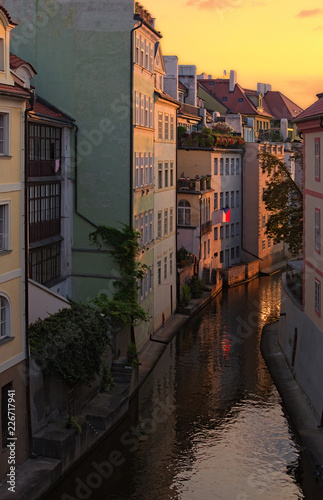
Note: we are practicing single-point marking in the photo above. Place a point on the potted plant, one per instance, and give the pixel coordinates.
(132, 353)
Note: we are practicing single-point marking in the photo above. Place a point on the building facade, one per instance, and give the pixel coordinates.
(13, 98)
(301, 326)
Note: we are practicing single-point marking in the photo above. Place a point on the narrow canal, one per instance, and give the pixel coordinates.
(208, 423)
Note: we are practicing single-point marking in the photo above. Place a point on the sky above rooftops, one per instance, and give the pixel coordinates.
(268, 41)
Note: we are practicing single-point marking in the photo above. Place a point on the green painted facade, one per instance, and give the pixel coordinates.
(82, 52)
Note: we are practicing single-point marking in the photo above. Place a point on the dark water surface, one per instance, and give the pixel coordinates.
(208, 423)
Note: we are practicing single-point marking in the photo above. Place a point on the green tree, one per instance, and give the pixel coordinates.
(284, 200)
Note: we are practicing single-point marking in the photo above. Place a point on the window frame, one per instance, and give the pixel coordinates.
(317, 230)
(317, 159)
(317, 296)
(6, 113)
(7, 226)
(8, 319)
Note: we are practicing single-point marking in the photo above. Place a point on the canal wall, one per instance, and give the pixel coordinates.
(302, 344)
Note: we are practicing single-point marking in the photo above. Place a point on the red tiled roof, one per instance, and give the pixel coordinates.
(280, 106)
(167, 97)
(220, 88)
(314, 110)
(182, 86)
(14, 90)
(16, 62)
(44, 108)
(200, 84)
(6, 13)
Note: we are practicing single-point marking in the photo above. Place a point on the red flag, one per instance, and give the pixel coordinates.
(226, 214)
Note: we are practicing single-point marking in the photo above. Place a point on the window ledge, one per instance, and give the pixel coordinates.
(5, 157)
(5, 340)
(5, 252)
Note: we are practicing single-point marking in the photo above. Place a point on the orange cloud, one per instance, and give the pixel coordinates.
(319, 28)
(213, 4)
(309, 13)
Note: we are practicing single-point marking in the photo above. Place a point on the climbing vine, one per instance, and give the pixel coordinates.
(123, 309)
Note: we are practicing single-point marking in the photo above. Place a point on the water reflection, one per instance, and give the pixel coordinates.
(208, 424)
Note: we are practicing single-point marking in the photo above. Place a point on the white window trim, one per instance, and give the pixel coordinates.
(8, 203)
(9, 333)
(7, 112)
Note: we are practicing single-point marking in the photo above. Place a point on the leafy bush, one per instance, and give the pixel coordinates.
(196, 287)
(70, 343)
(186, 295)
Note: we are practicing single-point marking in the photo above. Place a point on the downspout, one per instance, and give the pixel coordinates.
(26, 273)
(242, 200)
(200, 243)
(136, 17)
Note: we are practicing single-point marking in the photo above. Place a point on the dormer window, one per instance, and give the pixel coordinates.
(224, 98)
(6, 25)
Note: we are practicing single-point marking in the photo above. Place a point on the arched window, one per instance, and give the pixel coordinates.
(184, 213)
(4, 317)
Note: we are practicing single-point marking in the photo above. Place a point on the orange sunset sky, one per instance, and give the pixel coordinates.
(270, 41)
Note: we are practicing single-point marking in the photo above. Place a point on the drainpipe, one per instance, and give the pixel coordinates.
(26, 273)
(136, 17)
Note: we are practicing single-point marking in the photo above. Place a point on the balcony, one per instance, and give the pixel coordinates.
(194, 185)
(294, 279)
(188, 109)
(206, 227)
(44, 168)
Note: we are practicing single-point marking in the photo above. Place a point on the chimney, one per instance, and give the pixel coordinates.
(233, 80)
(263, 88)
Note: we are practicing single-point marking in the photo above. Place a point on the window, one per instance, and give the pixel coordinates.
(151, 225)
(172, 128)
(237, 228)
(4, 317)
(44, 211)
(232, 253)
(208, 247)
(4, 129)
(137, 171)
(221, 232)
(44, 263)
(204, 246)
(142, 110)
(221, 200)
(215, 233)
(215, 201)
(171, 174)
(318, 297)
(269, 242)
(232, 166)
(184, 213)
(165, 222)
(237, 198)
(44, 150)
(151, 113)
(146, 117)
(2, 46)
(263, 223)
(160, 126)
(141, 173)
(317, 230)
(317, 159)
(165, 268)
(159, 224)
(227, 230)
(227, 198)
(215, 166)
(151, 169)
(221, 256)
(171, 264)
(166, 137)
(227, 171)
(142, 44)
(160, 175)
(232, 230)
(166, 174)
(221, 166)
(263, 244)
(137, 49)
(147, 54)
(151, 57)
(159, 272)
(146, 169)
(137, 108)
(4, 227)
(171, 220)
(237, 252)
(238, 166)
(232, 199)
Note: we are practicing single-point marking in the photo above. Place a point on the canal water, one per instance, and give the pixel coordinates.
(208, 423)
